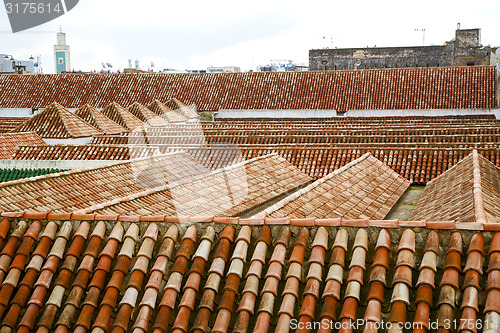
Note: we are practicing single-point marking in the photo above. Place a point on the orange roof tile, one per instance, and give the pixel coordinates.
(9, 124)
(122, 117)
(181, 108)
(230, 191)
(83, 152)
(365, 188)
(467, 192)
(165, 112)
(55, 122)
(78, 189)
(9, 142)
(98, 120)
(397, 88)
(146, 115)
(158, 185)
(73, 275)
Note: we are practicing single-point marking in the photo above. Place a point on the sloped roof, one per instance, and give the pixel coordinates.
(168, 114)
(182, 108)
(83, 152)
(98, 120)
(397, 88)
(224, 277)
(122, 117)
(365, 188)
(159, 185)
(10, 141)
(19, 173)
(78, 189)
(230, 191)
(146, 115)
(418, 165)
(467, 192)
(55, 122)
(8, 124)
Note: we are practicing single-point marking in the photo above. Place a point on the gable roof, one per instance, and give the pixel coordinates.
(78, 189)
(469, 191)
(230, 191)
(162, 110)
(55, 122)
(146, 115)
(365, 188)
(158, 185)
(98, 120)
(181, 108)
(397, 88)
(122, 117)
(10, 141)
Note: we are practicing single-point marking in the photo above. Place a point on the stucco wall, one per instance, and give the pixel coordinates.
(429, 112)
(254, 113)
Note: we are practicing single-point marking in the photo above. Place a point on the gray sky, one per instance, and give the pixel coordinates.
(194, 34)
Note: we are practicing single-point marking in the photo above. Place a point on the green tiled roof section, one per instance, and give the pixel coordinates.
(13, 174)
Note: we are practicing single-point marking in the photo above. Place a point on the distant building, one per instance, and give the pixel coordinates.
(10, 65)
(62, 61)
(223, 69)
(464, 50)
(280, 66)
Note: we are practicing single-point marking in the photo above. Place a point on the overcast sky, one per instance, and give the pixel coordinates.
(196, 34)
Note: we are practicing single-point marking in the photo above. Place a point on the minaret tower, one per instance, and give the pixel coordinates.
(61, 54)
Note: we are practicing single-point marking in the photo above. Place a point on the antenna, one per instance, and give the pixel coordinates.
(423, 35)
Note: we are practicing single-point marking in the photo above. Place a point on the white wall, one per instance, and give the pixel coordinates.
(79, 141)
(420, 112)
(15, 113)
(257, 113)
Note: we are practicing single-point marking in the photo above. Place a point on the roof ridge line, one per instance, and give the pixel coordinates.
(478, 193)
(309, 187)
(57, 108)
(168, 185)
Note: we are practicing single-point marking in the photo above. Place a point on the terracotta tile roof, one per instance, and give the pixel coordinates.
(147, 116)
(99, 121)
(10, 141)
(167, 184)
(165, 112)
(122, 117)
(78, 189)
(83, 152)
(55, 122)
(90, 275)
(365, 188)
(418, 165)
(182, 108)
(10, 124)
(398, 88)
(230, 191)
(418, 148)
(469, 191)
